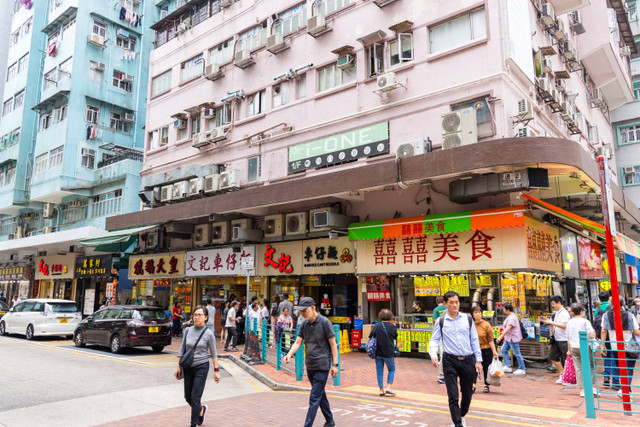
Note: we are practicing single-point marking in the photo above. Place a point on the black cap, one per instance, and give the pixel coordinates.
(306, 302)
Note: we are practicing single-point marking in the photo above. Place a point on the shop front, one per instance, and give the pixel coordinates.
(14, 280)
(218, 274)
(159, 280)
(95, 284)
(323, 269)
(488, 257)
(54, 277)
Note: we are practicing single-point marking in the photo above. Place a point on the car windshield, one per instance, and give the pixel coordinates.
(61, 307)
(149, 315)
(3, 306)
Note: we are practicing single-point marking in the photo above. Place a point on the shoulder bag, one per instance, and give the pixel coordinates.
(187, 357)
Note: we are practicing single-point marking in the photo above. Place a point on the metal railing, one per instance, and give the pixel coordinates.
(130, 155)
(615, 395)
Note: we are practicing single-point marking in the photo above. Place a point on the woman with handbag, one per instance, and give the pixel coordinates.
(487, 346)
(193, 363)
(386, 335)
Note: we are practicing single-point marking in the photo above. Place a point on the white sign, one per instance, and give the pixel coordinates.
(219, 262)
(89, 301)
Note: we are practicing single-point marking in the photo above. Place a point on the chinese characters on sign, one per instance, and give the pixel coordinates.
(156, 266)
(217, 262)
(95, 266)
(55, 267)
(378, 288)
(318, 256)
(590, 261)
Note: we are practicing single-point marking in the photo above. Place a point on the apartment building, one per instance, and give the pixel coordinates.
(6, 12)
(268, 111)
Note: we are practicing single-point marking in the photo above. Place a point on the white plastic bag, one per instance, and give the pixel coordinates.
(496, 369)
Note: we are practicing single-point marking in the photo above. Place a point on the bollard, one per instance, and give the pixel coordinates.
(278, 352)
(585, 352)
(264, 340)
(299, 357)
(336, 329)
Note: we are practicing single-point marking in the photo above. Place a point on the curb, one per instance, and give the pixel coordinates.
(263, 378)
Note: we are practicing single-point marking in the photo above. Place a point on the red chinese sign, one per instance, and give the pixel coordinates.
(378, 288)
(283, 263)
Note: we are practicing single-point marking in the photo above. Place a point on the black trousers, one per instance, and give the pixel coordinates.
(487, 358)
(466, 371)
(195, 378)
(231, 333)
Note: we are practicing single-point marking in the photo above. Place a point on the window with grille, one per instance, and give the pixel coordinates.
(40, 163)
(50, 79)
(331, 76)
(254, 169)
(92, 114)
(64, 70)
(12, 71)
(7, 107)
(292, 19)
(191, 69)
(106, 204)
(122, 80)
(55, 156)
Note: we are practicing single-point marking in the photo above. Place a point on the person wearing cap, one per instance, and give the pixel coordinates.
(321, 358)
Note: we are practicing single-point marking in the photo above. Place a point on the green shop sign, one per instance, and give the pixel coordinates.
(345, 147)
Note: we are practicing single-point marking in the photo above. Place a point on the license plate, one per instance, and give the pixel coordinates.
(153, 329)
(64, 320)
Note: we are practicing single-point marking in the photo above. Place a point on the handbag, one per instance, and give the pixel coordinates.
(372, 346)
(631, 346)
(187, 357)
(396, 350)
(569, 372)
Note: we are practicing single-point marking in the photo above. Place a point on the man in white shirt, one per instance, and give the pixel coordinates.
(559, 348)
(232, 334)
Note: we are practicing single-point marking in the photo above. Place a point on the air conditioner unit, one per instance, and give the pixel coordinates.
(561, 85)
(545, 66)
(544, 84)
(575, 22)
(242, 58)
(202, 234)
(230, 179)
(129, 117)
(195, 186)
(414, 148)
(209, 113)
(383, 3)
(75, 203)
(122, 32)
(127, 77)
(212, 71)
(220, 232)
(242, 223)
(273, 225)
(526, 132)
(47, 230)
(547, 17)
(179, 190)
(628, 169)
(47, 210)
(180, 124)
(325, 219)
(97, 39)
(166, 193)
(152, 240)
(316, 24)
(275, 43)
(217, 134)
(240, 234)
(605, 151)
(387, 82)
(524, 109)
(211, 183)
(459, 128)
(226, 3)
(99, 66)
(565, 112)
(18, 232)
(296, 223)
(183, 26)
(596, 97)
(558, 31)
(345, 62)
(625, 51)
(199, 139)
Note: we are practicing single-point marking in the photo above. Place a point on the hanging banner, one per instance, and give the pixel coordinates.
(378, 288)
(590, 259)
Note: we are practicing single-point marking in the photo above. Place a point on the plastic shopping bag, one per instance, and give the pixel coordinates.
(569, 372)
(496, 369)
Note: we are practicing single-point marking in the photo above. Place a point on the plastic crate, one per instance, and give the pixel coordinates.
(356, 334)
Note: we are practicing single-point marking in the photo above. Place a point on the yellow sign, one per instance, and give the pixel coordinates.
(338, 320)
(605, 285)
(487, 313)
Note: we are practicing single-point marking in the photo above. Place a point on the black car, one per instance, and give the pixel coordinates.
(120, 326)
(4, 308)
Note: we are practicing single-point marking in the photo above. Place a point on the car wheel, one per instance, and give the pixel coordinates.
(29, 333)
(78, 339)
(116, 345)
(3, 328)
(157, 348)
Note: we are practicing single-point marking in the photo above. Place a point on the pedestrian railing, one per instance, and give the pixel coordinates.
(612, 391)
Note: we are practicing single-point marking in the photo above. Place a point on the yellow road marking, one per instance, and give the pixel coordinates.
(252, 384)
(475, 403)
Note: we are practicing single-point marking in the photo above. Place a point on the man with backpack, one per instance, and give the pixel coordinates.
(321, 358)
(609, 363)
(461, 356)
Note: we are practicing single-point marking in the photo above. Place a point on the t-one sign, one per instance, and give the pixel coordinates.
(364, 142)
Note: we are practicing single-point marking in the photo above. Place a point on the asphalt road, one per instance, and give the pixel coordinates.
(48, 382)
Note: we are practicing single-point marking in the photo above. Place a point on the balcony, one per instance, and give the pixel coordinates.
(564, 6)
(608, 75)
(118, 167)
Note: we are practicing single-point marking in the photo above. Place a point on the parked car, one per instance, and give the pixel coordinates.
(120, 326)
(41, 317)
(3, 308)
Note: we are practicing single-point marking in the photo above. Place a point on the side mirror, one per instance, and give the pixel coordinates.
(11, 309)
(90, 318)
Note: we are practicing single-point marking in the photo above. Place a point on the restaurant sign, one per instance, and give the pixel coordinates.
(156, 266)
(217, 262)
(55, 267)
(93, 266)
(347, 146)
(14, 273)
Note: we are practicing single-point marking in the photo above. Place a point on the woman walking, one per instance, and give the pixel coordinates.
(195, 376)
(284, 322)
(512, 337)
(574, 326)
(487, 346)
(386, 335)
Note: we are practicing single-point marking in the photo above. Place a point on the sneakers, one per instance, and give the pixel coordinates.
(440, 380)
(520, 372)
(204, 411)
(390, 393)
(464, 422)
(620, 396)
(486, 389)
(559, 380)
(235, 349)
(507, 369)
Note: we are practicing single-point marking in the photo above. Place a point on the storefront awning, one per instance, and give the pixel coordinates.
(572, 219)
(512, 216)
(115, 241)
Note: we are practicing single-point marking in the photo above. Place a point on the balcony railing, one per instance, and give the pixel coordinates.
(120, 157)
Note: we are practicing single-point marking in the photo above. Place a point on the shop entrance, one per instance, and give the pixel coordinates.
(62, 289)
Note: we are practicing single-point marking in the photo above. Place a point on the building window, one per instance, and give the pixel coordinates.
(483, 114)
(253, 38)
(18, 100)
(55, 156)
(458, 31)
(64, 70)
(159, 137)
(223, 114)
(92, 114)
(292, 19)
(401, 49)
(45, 121)
(375, 59)
(280, 93)
(12, 71)
(131, 5)
(630, 135)
(106, 204)
(69, 28)
(331, 76)
(326, 7)
(53, 37)
(96, 73)
(116, 123)
(126, 42)
(15, 37)
(7, 106)
(256, 103)
(222, 53)
(40, 164)
(191, 69)
(122, 80)
(22, 63)
(60, 113)
(10, 176)
(301, 86)
(26, 27)
(50, 79)
(161, 83)
(195, 125)
(636, 91)
(631, 175)
(254, 169)
(87, 158)
(99, 28)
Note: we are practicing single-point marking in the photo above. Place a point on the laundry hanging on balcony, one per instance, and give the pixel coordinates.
(93, 132)
(130, 16)
(128, 55)
(52, 49)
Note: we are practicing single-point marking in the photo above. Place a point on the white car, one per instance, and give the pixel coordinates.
(41, 317)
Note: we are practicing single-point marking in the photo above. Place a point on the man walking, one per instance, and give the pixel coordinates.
(211, 320)
(321, 358)
(559, 348)
(230, 326)
(437, 312)
(461, 357)
(609, 363)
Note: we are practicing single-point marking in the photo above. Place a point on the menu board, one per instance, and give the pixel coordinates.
(426, 286)
(483, 280)
(404, 341)
(459, 284)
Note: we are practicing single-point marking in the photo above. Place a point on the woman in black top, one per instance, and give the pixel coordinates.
(386, 335)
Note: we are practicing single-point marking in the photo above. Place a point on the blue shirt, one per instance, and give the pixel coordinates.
(457, 337)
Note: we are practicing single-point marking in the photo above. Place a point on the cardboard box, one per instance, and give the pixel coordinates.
(366, 330)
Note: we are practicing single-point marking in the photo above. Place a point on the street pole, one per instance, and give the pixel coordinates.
(610, 232)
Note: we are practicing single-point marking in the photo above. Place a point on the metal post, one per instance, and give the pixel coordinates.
(585, 361)
(246, 324)
(278, 352)
(336, 329)
(264, 340)
(299, 356)
(610, 231)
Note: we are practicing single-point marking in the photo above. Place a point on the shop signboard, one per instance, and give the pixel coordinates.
(55, 267)
(378, 288)
(307, 257)
(218, 262)
(534, 246)
(14, 273)
(344, 147)
(570, 261)
(590, 259)
(156, 266)
(93, 266)
(89, 301)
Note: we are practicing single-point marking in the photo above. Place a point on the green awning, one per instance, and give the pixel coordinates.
(118, 238)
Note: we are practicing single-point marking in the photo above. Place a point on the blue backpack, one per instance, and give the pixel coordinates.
(372, 346)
